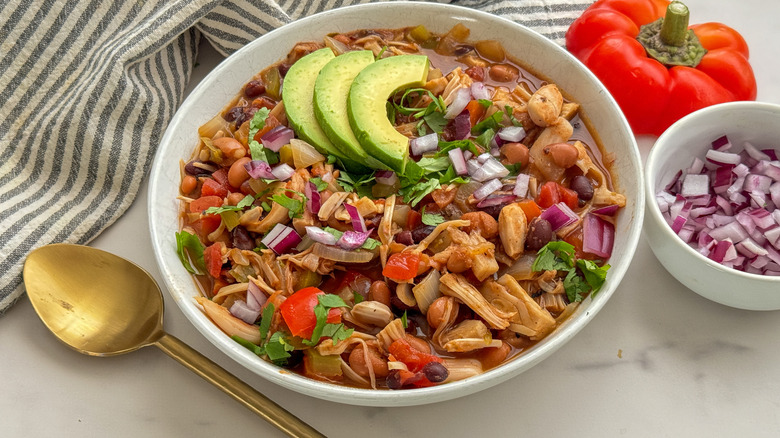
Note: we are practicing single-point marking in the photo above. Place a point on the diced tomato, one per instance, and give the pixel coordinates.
(219, 283)
(413, 220)
(221, 176)
(476, 111)
(476, 72)
(402, 266)
(208, 224)
(568, 196)
(548, 195)
(213, 188)
(530, 209)
(298, 312)
(414, 359)
(212, 256)
(204, 203)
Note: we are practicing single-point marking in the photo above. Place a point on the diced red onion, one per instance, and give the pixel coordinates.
(489, 169)
(358, 224)
(281, 238)
(492, 201)
(353, 239)
(283, 172)
(754, 152)
(277, 137)
(458, 161)
(386, 177)
(479, 91)
(462, 98)
(259, 169)
(426, 143)
(598, 236)
(695, 185)
(609, 210)
(241, 310)
(749, 248)
(487, 189)
(721, 144)
(255, 298)
(319, 235)
(521, 185)
(313, 203)
(723, 158)
(512, 133)
(559, 215)
(697, 166)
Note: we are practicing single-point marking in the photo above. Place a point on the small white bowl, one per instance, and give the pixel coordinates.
(541, 55)
(756, 122)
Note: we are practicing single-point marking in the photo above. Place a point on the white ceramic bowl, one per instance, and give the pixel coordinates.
(758, 123)
(226, 80)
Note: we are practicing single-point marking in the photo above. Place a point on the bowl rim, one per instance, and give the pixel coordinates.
(359, 396)
(660, 148)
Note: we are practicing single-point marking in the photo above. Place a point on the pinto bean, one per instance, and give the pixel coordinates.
(482, 222)
(380, 291)
(188, 184)
(563, 154)
(504, 73)
(238, 173)
(231, 147)
(459, 261)
(436, 311)
(516, 153)
(357, 360)
(418, 344)
(493, 356)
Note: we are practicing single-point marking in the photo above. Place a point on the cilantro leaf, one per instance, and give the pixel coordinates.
(265, 321)
(369, 244)
(404, 320)
(432, 165)
(493, 122)
(450, 176)
(242, 204)
(431, 219)
(435, 121)
(556, 255)
(594, 274)
(575, 286)
(357, 297)
(323, 328)
(256, 349)
(189, 247)
(319, 183)
(278, 349)
(294, 206)
(485, 138)
(485, 102)
(446, 146)
(360, 184)
(414, 193)
(258, 121)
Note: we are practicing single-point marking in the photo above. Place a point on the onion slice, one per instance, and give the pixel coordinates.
(277, 137)
(358, 224)
(281, 238)
(462, 98)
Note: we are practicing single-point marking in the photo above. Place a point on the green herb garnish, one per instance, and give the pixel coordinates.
(431, 219)
(189, 247)
(319, 183)
(337, 332)
(242, 204)
(294, 206)
(369, 244)
(582, 276)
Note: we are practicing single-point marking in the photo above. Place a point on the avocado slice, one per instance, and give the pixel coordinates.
(367, 106)
(298, 98)
(330, 103)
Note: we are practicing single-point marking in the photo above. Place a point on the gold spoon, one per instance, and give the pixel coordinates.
(103, 305)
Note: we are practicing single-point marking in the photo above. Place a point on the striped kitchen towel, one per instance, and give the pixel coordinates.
(87, 88)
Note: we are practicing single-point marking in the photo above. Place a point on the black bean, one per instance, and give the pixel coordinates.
(493, 210)
(254, 89)
(435, 372)
(393, 379)
(197, 171)
(284, 68)
(246, 114)
(581, 184)
(404, 238)
(242, 239)
(463, 49)
(420, 233)
(295, 359)
(539, 233)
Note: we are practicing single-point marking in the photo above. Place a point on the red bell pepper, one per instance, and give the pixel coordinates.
(657, 69)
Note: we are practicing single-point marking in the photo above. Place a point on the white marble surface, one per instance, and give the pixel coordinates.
(657, 361)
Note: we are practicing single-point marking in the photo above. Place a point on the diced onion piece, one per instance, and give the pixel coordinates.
(458, 161)
(512, 133)
(521, 185)
(283, 172)
(304, 154)
(609, 210)
(313, 197)
(559, 215)
(319, 235)
(721, 144)
(281, 238)
(462, 98)
(386, 177)
(241, 310)
(358, 224)
(353, 239)
(342, 255)
(598, 236)
(491, 201)
(490, 169)
(696, 185)
(426, 143)
(723, 158)
(277, 137)
(259, 169)
(255, 298)
(462, 124)
(487, 188)
(755, 153)
(479, 91)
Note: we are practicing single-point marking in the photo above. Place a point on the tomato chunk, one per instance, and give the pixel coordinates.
(568, 196)
(402, 266)
(212, 188)
(212, 256)
(548, 195)
(414, 359)
(298, 312)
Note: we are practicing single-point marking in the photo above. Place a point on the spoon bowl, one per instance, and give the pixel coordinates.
(102, 305)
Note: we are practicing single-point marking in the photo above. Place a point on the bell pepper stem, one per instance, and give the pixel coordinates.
(675, 25)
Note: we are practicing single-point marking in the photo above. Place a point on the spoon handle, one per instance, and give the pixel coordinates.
(234, 387)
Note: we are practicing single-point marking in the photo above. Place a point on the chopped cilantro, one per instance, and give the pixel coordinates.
(278, 349)
(436, 164)
(594, 274)
(493, 122)
(381, 52)
(555, 256)
(258, 121)
(446, 146)
(510, 113)
(360, 184)
(242, 204)
(450, 176)
(369, 244)
(189, 247)
(357, 297)
(575, 286)
(486, 103)
(485, 138)
(435, 121)
(319, 183)
(513, 169)
(431, 219)
(323, 328)
(582, 276)
(294, 206)
(404, 320)
(414, 193)
(266, 206)
(265, 321)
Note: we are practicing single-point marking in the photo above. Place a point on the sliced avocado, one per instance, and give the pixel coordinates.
(298, 98)
(367, 110)
(330, 103)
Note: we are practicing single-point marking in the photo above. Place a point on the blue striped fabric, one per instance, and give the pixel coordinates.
(87, 88)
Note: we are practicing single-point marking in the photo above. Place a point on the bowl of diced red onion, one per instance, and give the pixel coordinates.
(713, 203)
